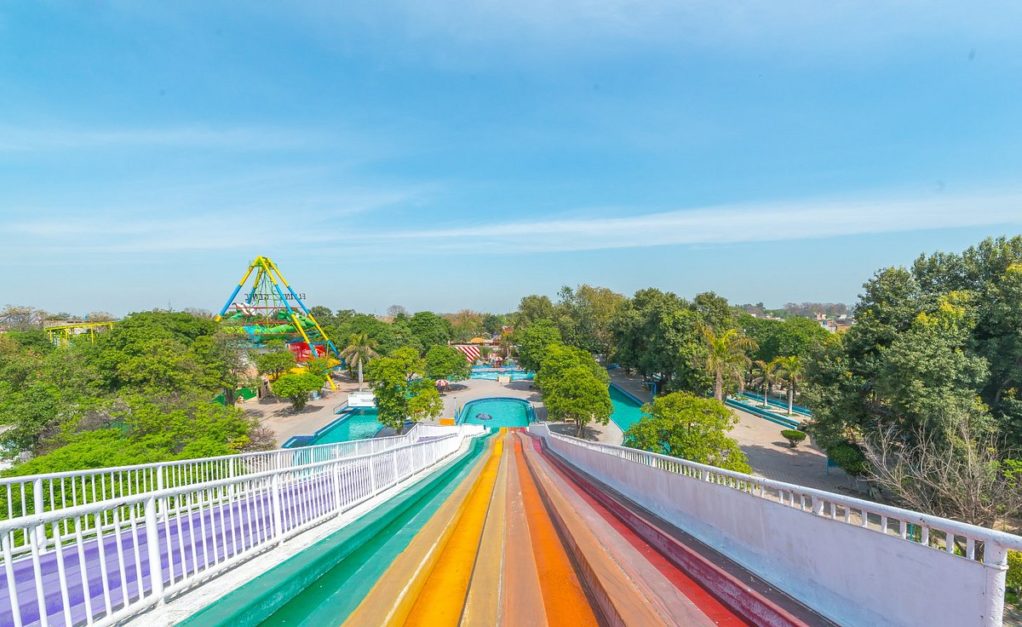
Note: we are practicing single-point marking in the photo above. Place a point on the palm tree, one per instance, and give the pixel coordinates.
(766, 375)
(726, 357)
(360, 349)
(790, 370)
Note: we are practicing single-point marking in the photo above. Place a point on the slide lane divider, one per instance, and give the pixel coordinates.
(437, 593)
(258, 599)
(485, 592)
(564, 598)
(523, 599)
(615, 593)
(741, 598)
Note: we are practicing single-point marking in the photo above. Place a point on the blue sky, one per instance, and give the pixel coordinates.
(457, 154)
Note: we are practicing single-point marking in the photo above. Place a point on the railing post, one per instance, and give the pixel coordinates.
(995, 557)
(152, 541)
(37, 497)
(372, 475)
(278, 522)
(395, 467)
(159, 481)
(337, 487)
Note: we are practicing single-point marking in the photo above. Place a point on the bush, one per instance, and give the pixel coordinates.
(849, 457)
(1014, 581)
(793, 436)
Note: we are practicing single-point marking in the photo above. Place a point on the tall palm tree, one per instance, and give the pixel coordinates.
(766, 375)
(791, 370)
(360, 349)
(726, 357)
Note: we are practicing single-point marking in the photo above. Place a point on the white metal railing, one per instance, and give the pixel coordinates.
(987, 546)
(103, 560)
(21, 496)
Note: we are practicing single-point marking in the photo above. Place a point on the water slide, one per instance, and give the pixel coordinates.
(510, 534)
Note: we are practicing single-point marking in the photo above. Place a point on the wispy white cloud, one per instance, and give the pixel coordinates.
(337, 233)
(712, 225)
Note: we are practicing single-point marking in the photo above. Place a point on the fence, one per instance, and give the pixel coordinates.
(109, 555)
(854, 560)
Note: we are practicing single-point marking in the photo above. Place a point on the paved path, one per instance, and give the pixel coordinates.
(769, 454)
(277, 416)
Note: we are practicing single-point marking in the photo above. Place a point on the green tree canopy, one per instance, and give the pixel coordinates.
(725, 357)
(297, 387)
(693, 428)
(941, 338)
(584, 316)
(430, 329)
(533, 308)
(657, 333)
(559, 359)
(273, 363)
(358, 351)
(578, 395)
(400, 389)
(446, 362)
(532, 342)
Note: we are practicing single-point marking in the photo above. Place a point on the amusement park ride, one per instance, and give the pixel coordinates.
(272, 310)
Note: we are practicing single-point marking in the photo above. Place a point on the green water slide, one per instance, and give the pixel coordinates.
(323, 584)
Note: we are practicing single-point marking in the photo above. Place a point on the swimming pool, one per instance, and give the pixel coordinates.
(491, 374)
(627, 411)
(356, 423)
(501, 412)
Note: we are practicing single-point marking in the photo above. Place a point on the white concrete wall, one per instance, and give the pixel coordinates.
(854, 576)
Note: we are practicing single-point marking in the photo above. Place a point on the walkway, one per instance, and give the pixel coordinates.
(769, 454)
(515, 538)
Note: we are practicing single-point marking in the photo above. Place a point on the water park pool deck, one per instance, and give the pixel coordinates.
(353, 423)
(497, 412)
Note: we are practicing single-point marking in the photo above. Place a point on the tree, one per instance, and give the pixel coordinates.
(446, 362)
(578, 395)
(714, 310)
(18, 318)
(725, 358)
(790, 369)
(494, 324)
(766, 374)
(956, 473)
(424, 402)
(297, 387)
(532, 343)
(560, 359)
(275, 362)
(400, 389)
(533, 308)
(430, 329)
(222, 362)
(690, 427)
(584, 316)
(465, 324)
(359, 351)
(657, 334)
(800, 337)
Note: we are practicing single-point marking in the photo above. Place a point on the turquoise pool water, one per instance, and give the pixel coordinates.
(356, 424)
(503, 412)
(626, 411)
(491, 374)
